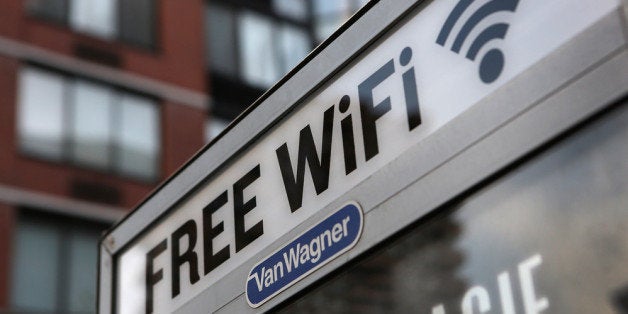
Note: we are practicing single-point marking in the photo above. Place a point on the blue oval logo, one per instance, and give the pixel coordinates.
(309, 251)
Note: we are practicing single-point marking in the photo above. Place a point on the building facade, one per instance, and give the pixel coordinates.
(101, 100)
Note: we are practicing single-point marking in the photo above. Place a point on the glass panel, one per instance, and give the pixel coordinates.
(83, 261)
(549, 237)
(35, 267)
(138, 137)
(40, 115)
(48, 9)
(296, 9)
(91, 124)
(257, 55)
(294, 45)
(137, 21)
(96, 17)
(219, 44)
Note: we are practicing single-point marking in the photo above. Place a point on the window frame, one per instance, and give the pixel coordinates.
(64, 227)
(117, 37)
(278, 21)
(238, 9)
(68, 115)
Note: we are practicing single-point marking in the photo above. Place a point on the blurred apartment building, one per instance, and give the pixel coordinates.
(101, 100)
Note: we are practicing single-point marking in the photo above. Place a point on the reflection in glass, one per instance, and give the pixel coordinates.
(415, 271)
(40, 117)
(550, 237)
(91, 124)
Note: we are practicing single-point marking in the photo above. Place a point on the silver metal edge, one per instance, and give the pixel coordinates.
(105, 280)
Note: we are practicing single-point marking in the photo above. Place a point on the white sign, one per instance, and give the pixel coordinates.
(440, 62)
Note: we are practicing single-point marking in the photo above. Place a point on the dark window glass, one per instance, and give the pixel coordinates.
(549, 237)
(54, 265)
(137, 22)
(54, 10)
(83, 258)
(35, 266)
(220, 44)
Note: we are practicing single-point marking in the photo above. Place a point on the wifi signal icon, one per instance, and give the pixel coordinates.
(492, 62)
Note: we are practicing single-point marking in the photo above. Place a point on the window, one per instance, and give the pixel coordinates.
(137, 142)
(97, 18)
(41, 96)
(220, 43)
(53, 10)
(250, 45)
(257, 46)
(129, 21)
(89, 124)
(292, 47)
(54, 264)
(137, 22)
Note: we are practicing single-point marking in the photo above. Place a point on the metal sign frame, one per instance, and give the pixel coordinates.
(579, 79)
